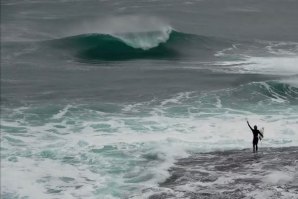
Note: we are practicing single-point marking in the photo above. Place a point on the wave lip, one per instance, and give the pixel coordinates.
(145, 40)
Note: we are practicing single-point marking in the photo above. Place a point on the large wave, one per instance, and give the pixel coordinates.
(165, 43)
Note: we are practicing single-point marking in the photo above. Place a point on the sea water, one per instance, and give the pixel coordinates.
(99, 99)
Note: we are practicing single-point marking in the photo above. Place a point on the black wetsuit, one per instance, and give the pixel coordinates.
(256, 139)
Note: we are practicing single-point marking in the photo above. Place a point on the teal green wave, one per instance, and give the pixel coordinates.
(112, 48)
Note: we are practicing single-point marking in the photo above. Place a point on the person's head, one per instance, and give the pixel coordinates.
(255, 127)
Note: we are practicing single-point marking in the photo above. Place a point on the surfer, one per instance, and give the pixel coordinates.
(255, 141)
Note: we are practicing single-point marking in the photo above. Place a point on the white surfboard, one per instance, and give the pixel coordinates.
(262, 132)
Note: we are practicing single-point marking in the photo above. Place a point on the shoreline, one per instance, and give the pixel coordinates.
(271, 173)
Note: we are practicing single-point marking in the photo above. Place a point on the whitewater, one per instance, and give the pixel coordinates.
(123, 99)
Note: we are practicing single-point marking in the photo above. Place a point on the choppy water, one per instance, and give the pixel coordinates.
(99, 99)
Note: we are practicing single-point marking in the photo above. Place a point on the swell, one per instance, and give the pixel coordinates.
(167, 44)
(279, 91)
(264, 93)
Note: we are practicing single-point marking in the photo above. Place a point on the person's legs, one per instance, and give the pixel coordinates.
(255, 144)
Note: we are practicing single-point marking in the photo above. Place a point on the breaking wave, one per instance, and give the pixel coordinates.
(165, 43)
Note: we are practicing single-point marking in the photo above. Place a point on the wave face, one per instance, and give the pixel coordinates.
(166, 43)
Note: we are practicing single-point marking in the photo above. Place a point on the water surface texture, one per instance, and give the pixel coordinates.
(113, 99)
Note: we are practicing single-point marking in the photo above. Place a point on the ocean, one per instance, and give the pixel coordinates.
(115, 99)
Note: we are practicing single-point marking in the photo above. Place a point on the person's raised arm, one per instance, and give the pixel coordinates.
(249, 125)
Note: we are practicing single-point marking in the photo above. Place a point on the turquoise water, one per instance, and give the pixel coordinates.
(120, 150)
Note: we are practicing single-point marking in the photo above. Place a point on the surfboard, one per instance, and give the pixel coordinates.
(262, 132)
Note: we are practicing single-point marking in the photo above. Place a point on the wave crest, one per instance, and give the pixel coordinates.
(145, 40)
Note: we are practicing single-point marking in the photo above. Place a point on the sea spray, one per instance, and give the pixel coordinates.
(146, 40)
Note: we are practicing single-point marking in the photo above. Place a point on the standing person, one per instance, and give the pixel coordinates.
(255, 141)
